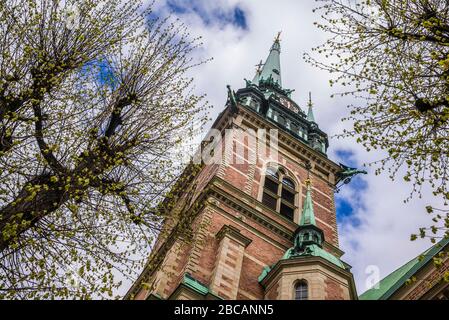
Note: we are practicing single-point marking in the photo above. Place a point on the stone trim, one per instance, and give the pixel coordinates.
(234, 233)
(184, 292)
(199, 242)
(247, 294)
(310, 260)
(228, 264)
(257, 261)
(237, 204)
(249, 228)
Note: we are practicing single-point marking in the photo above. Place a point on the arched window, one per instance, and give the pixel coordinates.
(279, 192)
(301, 290)
(289, 183)
(273, 172)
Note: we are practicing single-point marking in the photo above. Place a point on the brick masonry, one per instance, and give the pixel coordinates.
(229, 268)
(427, 279)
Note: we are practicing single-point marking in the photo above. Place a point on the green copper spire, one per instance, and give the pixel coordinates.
(308, 234)
(308, 216)
(310, 116)
(272, 67)
(308, 240)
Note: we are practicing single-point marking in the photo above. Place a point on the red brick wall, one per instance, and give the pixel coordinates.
(238, 175)
(245, 178)
(425, 283)
(333, 290)
(273, 293)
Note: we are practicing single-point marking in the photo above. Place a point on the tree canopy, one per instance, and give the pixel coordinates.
(94, 100)
(394, 56)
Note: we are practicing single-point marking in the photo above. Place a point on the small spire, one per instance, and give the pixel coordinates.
(308, 216)
(310, 116)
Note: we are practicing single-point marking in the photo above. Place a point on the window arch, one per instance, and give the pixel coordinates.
(301, 290)
(289, 183)
(272, 172)
(279, 192)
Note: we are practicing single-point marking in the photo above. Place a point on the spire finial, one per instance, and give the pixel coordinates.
(310, 104)
(308, 183)
(259, 66)
(278, 37)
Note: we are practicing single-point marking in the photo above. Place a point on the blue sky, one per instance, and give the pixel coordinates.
(218, 15)
(347, 207)
(374, 223)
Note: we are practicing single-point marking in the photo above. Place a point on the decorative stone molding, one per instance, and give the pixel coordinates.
(228, 264)
(234, 233)
(326, 281)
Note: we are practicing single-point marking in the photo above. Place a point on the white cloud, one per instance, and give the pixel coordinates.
(382, 238)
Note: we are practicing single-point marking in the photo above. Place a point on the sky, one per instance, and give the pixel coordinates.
(374, 222)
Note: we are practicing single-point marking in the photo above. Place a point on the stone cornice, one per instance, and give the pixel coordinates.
(195, 295)
(221, 122)
(233, 233)
(301, 149)
(247, 210)
(244, 204)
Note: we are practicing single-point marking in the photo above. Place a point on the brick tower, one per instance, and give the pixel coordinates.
(260, 208)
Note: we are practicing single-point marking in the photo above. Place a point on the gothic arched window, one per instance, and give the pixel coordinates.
(279, 192)
(301, 290)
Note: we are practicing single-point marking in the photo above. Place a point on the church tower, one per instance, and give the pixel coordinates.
(260, 209)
